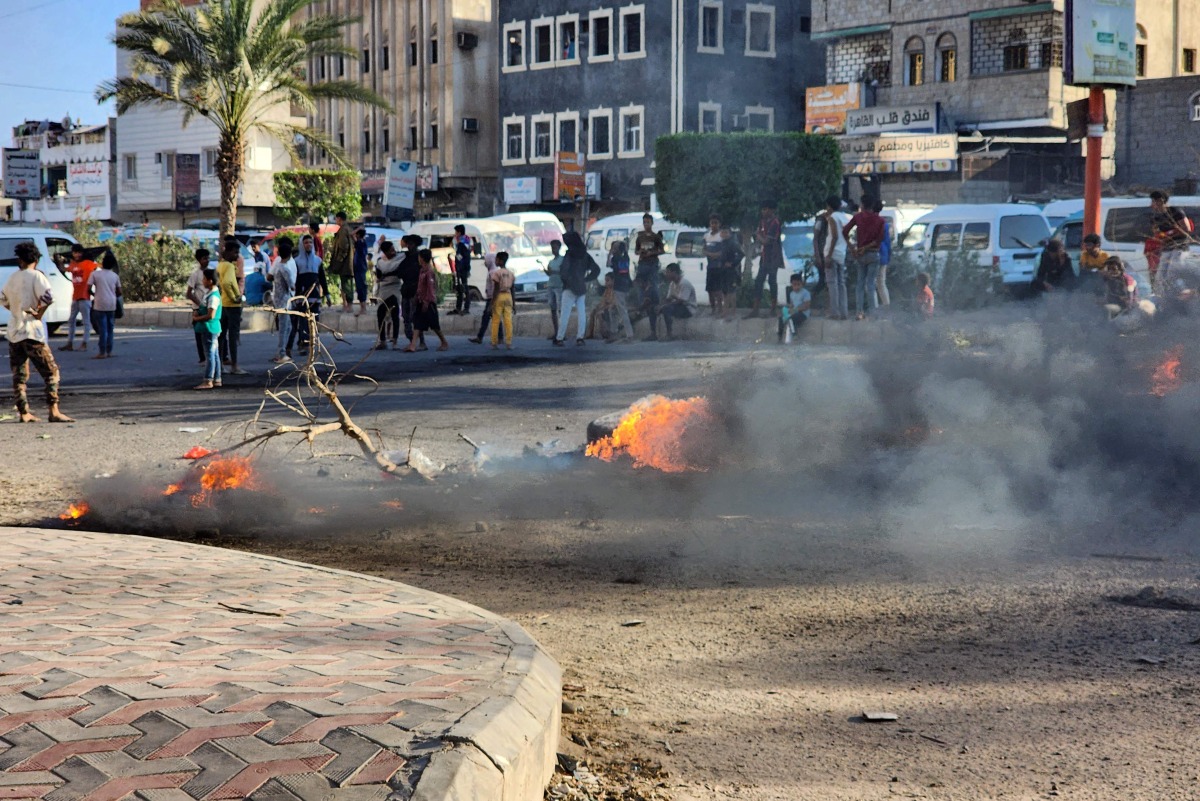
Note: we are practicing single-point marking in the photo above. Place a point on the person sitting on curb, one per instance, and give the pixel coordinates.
(797, 303)
(681, 298)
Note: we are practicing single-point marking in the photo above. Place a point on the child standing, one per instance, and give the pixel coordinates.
(924, 296)
(426, 317)
(502, 280)
(207, 322)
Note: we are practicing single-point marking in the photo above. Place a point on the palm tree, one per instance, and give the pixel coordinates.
(233, 62)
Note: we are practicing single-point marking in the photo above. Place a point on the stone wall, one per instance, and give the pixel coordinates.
(847, 60)
(1158, 137)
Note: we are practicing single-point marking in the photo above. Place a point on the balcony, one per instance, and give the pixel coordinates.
(65, 208)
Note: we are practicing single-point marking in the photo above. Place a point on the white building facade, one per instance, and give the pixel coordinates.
(76, 161)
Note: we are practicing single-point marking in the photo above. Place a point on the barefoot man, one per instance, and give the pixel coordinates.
(26, 295)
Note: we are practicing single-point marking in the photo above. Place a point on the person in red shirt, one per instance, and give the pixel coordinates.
(314, 230)
(80, 269)
(924, 296)
(865, 254)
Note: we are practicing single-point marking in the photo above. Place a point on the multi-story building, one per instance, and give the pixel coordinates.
(76, 163)
(991, 73)
(435, 63)
(605, 79)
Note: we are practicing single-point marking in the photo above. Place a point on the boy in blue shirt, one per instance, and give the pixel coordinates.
(797, 302)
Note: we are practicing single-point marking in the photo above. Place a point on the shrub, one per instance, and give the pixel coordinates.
(960, 282)
(153, 268)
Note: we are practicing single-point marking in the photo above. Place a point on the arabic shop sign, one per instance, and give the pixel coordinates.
(899, 153)
(825, 107)
(893, 119)
(1101, 38)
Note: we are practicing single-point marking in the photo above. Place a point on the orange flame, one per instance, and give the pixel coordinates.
(653, 434)
(392, 504)
(1165, 378)
(75, 511)
(219, 475)
(316, 510)
(172, 489)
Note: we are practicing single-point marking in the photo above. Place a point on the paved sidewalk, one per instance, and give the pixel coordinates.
(127, 670)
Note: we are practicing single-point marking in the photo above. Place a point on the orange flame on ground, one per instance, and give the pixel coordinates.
(316, 510)
(1165, 378)
(392, 504)
(219, 475)
(652, 434)
(172, 489)
(75, 511)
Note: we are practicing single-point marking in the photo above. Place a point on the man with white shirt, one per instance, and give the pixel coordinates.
(27, 295)
(681, 298)
(834, 222)
(282, 277)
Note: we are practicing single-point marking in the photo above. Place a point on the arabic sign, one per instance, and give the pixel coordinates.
(400, 188)
(186, 183)
(899, 154)
(22, 174)
(1100, 46)
(921, 118)
(825, 107)
(427, 177)
(592, 180)
(522, 190)
(569, 179)
(87, 178)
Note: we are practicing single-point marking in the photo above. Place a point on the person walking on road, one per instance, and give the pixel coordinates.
(105, 286)
(341, 260)
(554, 284)
(79, 269)
(426, 304)
(27, 295)
(578, 268)
(462, 270)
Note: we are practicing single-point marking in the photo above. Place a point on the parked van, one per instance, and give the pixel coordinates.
(682, 243)
(1008, 236)
(541, 227)
(1058, 210)
(488, 236)
(55, 247)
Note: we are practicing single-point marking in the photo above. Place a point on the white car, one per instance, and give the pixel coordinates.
(56, 248)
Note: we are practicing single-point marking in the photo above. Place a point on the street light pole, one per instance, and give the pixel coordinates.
(1091, 181)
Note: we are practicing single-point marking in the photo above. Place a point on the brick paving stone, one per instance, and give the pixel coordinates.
(122, 677)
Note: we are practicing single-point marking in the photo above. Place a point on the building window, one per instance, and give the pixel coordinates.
(712, 27)
(1140, 55)
(341, 70)
(760, 118)
(414, 51)
(433, 136)
(412, 137)
(542, 140)
(320, 68)
(129, 172)
(366, 60)
(1189, 60)
(384, 58)
(1016, 57)
(760, 30)
(632, 139)
(386, 142)
(947, 52)
(514, 140)
(568, 132)
(600, 23)
(567, 49)
(710, 118)
(600, 128)
(167, 161)
(209, 162)
(433, 51)
(914, 61)
(633, 32)
(543, 44)
(514, 47)
(366, 140)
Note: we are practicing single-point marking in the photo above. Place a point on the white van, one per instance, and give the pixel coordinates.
(56, 249)
(682, 243)
(541, 227)
(488, 236)
(1058, 210)
(1008, 236)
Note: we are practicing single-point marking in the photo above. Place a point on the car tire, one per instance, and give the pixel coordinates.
(52, 328)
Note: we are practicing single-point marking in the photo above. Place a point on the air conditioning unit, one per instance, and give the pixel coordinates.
(466, 41)
(741, 122)
(470, 125)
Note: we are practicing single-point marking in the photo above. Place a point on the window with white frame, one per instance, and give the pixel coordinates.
(541, 35)
(710, 118)
(514, 140)
(760, 30)
(129, 171)
(632, 134)
(541, 145)
(166, 160)
(600, 133)
(712, 27)
(760, 118)
(514, 47)
(600, 36)
(632, 32)
(209, 162)
(566, 49)
(568, 132)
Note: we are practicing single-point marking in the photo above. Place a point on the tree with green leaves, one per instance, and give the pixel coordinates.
(317, 194)
(233, 62)
(697, 175)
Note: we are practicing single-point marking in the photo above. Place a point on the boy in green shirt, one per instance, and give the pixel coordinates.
(207, 322)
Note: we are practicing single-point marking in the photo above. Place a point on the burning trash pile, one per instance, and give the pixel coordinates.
(674, 436)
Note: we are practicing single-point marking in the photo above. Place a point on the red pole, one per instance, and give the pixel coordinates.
(1091, 182)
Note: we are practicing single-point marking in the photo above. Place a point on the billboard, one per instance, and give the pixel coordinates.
(22, 174)
(399, 188)
(522, 190)
(825, 107)
(185, 184)
(915, 118)
(899, 154)
(427, 177)
(1101, 43)
(87, 178)
(570, 180)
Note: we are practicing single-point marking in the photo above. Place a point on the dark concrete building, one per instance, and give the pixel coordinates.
(1158, 135)
(605, 79)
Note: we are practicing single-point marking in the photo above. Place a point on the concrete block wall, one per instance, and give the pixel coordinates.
(989, 37)
(847, 58)
(1158, 143)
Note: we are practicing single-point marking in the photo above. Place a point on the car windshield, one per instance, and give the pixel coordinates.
(515, 244)
(913, 236)
(797, 241)
(1023, 231)
(542, 232)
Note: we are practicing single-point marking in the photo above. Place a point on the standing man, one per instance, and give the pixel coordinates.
(1174, 232)
(731, 270)
(578, 268)
(648, 246)
(714, 279)
(314, 230)
(681, 298)
(282, 277)
(870, 232)
(462, 271)
(341, 260)
(80, 269)
(230, 338)
(311, 286)
(555, 285)
(410, 284)
(26, 295)
(502, 280)
(835, 259)
(196, 295)
(770, 261)
(361, 264)
(105, 286)
(388, 287)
